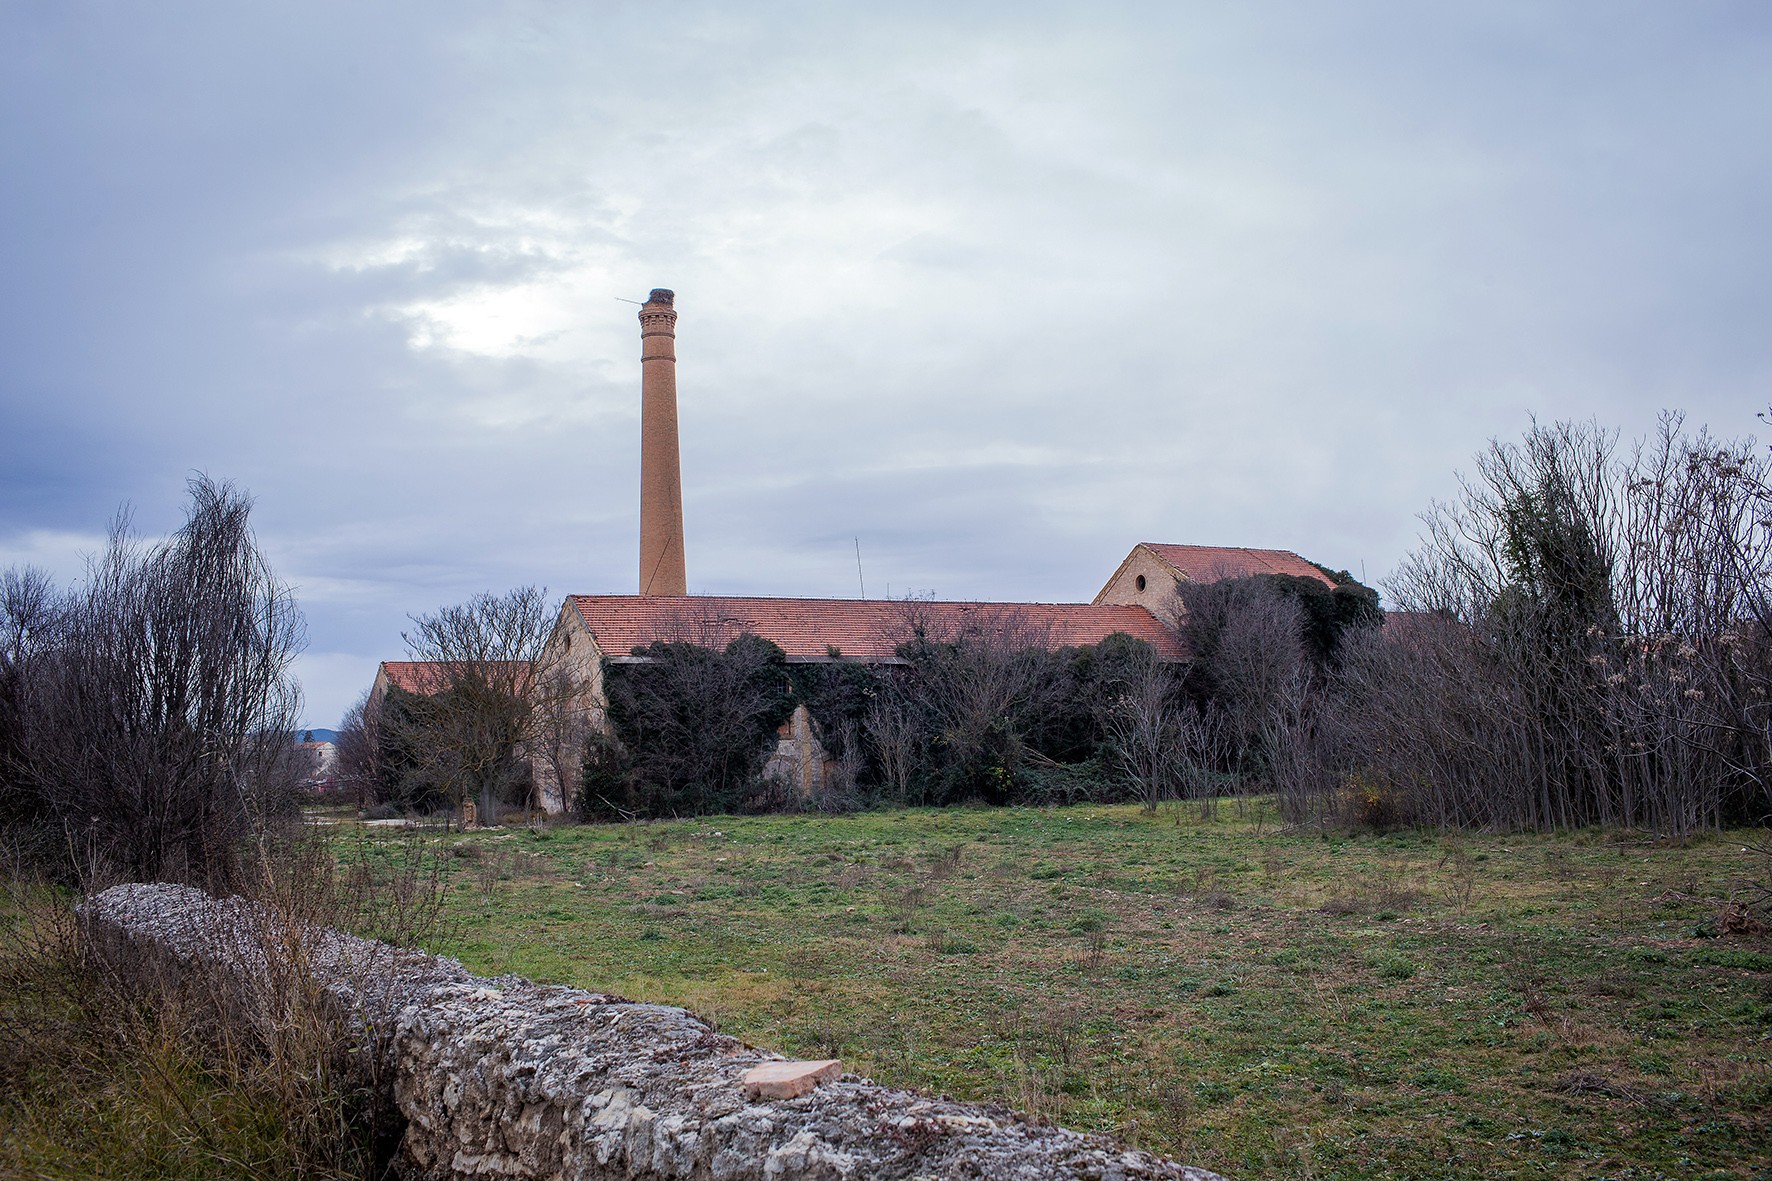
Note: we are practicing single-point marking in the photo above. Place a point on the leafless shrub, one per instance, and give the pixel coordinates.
(906, 905)
(1461, 873)
(1036, 1087)
(562, 717)
(1380, 891)
(149, 712)
(1586, 639)
(1246, 640)
(1171, 1098)
(827, 1037)
(360, 752)
(1146, 730)
(1049, 1046)
(892, 730)
(843, 789)
(946, 863)
(1095, 950)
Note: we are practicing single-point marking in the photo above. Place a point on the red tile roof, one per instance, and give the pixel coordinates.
(414, 676)
(860, 629)
(1209, 563)
(425, 676)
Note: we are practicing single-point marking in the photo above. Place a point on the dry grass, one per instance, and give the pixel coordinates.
(119, 1070)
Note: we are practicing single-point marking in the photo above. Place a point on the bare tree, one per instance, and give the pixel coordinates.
(360, 753)
(488, 667)
(561, 721)
(32, 615)
(1203, 756)
(154, 727)
(1696, 606)
(892, 730)
(1144, 729)
(1250, 664)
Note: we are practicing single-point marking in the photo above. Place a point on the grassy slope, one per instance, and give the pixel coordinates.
(1263, 1004)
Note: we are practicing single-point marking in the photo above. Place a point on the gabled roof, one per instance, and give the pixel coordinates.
(1209, 563)
(868, 630)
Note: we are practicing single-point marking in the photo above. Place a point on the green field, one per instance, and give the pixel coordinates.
(1259, 1002)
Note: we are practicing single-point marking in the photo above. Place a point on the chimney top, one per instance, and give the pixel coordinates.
(662, 295)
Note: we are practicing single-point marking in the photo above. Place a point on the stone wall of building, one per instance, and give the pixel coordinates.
(799, 760)
(508, 1079)
(1143, 580)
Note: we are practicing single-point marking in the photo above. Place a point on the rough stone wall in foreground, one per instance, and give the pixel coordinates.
(508, 1079)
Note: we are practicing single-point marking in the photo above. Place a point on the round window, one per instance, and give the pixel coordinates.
(1141, 582)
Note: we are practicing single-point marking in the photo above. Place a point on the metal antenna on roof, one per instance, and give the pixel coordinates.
(858, 575)
(635, 302)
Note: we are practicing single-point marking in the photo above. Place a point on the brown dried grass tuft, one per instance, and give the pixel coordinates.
(118, 1066)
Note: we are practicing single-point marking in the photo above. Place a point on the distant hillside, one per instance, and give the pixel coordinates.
(316, 735)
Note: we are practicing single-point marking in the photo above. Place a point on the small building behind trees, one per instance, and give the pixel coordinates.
(445, 731)
(702, 702)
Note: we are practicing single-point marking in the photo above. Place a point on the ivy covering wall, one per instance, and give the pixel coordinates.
(962, 719)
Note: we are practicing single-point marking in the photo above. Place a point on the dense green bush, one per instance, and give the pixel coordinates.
(1312, 618)
(978, 717)
(689, 729)
(838, 696)
(1004, 723)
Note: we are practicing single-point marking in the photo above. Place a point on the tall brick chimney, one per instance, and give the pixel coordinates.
(661, 477)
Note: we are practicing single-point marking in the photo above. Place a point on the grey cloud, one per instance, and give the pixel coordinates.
(999, 290)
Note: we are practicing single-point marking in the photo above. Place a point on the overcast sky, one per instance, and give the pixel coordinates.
(1000, 289)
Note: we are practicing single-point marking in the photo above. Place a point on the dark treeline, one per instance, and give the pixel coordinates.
(146, 714)
(990, 714)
